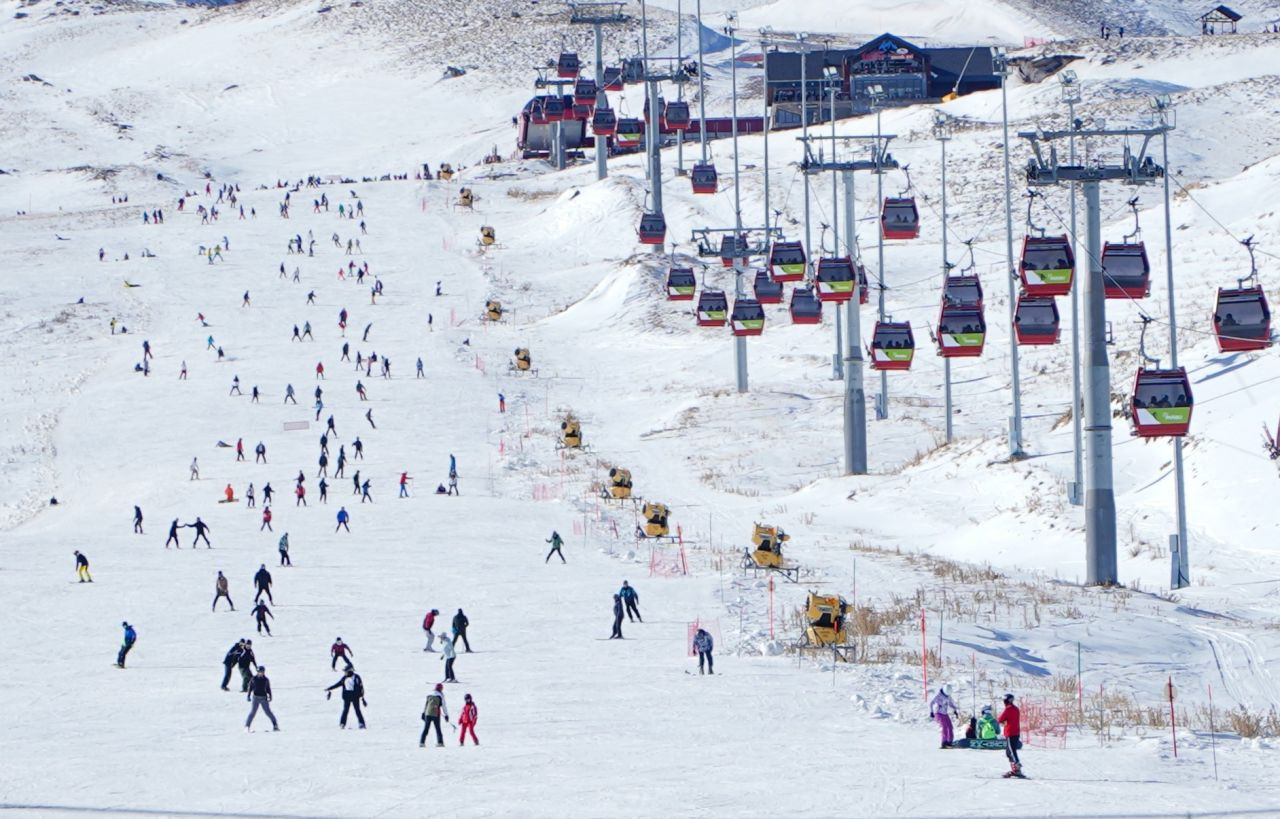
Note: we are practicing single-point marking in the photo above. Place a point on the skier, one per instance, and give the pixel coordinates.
(324, 491)
(420, 373)
(428, 623)
(229, 662)
(367, 328)
(297, 336)
(261, 612)
(368, 416)
(173, 533)
(460, 623)
(284, 550)
(343, 517)
(235, 386)
(319, 370)
(352, 695)
(448, 654)
(249, 496)
(617, 618)
(262, 580)
(467, 722)
(301, 492)
(938, 708)
(266, 492)
(182, 375)
(1011, 719)
(432, 710)
(220, 591)
(201, 528)
(246, 660)
(260, 454)
(703, 644)
(358, 446)
(255, 395)
(632, 601)
(556, 542)
(502, 403)
(364, 492)
(340, 649)
(306, 331)
(82, 567)
(404, 484)
(266, 519)
(137, 520)
(239, 449)
(130, 637)
(288, 394)
(195, 469)
(259, 692)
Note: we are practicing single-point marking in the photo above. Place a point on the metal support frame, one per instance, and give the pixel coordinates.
(1135, 168)
(598, 15)
(557, 142)
(1075, 490)
(1015, 423)
(942, 133)
(855, 402)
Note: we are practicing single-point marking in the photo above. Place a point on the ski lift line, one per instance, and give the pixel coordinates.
(1215, 219)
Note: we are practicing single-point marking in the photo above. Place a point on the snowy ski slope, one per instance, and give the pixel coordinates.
(570, 723)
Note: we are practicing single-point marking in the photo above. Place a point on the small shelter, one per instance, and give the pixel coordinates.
(1220, 20)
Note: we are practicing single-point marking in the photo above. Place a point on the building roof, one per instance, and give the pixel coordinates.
(963, 61)
(784, 66)
(1221, 13)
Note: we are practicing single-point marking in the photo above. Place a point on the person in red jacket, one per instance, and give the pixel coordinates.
(340, 649)
(1011, 719)
(266, 520)
(429, 623)
(467, 722)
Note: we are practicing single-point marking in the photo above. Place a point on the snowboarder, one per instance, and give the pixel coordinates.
(467, 722)
(1011, 719)
(352, 695)
(259, 692)
(201, 528)
(428, 623)
(703, 644)
(262, 580)
(556, 542)
(137, 520)
(448, 654)
(229, 662)
(432, 710)
(631, 600)
(938, 708)
(460, 623)
(261, 612)
(617, 618)
(343, 517)
(340, 649)
(284, 550)
(220, 591)
(82, 567)
(130, 637)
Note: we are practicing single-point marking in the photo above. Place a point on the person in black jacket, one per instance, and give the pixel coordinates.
(137, 520)
(617, 618)
(229, 662)
(244, 662)
(262, 613)
(352, 695)
(460, 623)
(260, 693)
(263, 581)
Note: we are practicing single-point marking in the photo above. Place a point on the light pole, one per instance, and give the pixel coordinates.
(831, 75)
(739, 342)
(882, 401)
(942, 133)
(1180, 576)
(802, 37)
(1071, 95)
(1015, 423)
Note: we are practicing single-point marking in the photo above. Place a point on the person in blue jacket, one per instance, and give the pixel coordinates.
(631, 600)
(343, 517)
(702, 643)
(130, 637)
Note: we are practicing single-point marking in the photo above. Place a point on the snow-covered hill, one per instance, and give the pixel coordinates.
(155, 102)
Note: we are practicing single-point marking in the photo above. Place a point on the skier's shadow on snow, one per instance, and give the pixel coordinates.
(1011, 655)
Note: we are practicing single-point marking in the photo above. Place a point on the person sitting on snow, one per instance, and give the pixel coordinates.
(988, 728)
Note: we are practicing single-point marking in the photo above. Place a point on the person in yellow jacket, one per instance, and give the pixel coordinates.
(82, 567)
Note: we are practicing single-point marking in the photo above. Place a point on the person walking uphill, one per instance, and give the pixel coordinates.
(259, 692)
(632, 601)
(467, 722)
(556, 542)
(1011, 719)
(938, 708)
(703, 644)
(460, 623)
(432, 710)
(220, 591)
(130, 637)
(352, 695)
(617, 618)
(82, 567)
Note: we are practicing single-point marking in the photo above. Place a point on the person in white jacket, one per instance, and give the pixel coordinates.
(432, 710)
(448, 654)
